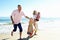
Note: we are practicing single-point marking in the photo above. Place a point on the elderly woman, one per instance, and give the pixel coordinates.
(36, 16)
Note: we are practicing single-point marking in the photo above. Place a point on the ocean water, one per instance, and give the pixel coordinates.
(4, 20)
(7, 19)
(52, 24)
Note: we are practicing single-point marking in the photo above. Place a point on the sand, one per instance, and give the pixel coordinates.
(43, 34)
(47, 31)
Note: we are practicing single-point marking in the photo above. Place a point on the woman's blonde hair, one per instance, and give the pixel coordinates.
(34, 12)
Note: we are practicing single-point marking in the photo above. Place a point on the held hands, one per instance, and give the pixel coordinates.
(27, 17)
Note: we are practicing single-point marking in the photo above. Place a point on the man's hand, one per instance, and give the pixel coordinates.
(12, 22)
(27, 17)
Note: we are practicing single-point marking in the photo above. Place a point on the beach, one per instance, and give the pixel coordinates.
(21, 11)
(43, 34)
(49, 30)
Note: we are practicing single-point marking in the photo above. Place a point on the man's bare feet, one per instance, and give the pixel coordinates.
(11, 33)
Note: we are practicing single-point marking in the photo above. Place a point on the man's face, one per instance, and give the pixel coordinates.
(19, 8)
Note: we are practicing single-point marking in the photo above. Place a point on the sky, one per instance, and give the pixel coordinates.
(47, 8)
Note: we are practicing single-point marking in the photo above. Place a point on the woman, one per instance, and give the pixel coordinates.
(36, 17)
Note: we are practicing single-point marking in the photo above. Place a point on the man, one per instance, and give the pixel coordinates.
(16, 18)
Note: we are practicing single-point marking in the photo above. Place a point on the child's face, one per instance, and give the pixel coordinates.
(38, 12)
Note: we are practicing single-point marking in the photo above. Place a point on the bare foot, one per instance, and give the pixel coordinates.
(31, 36)
(11, 33)
(35, 34)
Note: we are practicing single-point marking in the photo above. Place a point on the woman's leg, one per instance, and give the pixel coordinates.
(35, 25)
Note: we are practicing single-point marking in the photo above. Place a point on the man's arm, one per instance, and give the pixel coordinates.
(27, 17)
(12, 20)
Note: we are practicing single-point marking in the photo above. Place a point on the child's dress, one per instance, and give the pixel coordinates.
(38, 17)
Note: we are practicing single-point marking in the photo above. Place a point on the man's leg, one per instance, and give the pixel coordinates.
(15, 28)
(20, 35)
(20, 29)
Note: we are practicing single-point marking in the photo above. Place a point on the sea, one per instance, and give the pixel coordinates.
(6, 20)
(43, 24)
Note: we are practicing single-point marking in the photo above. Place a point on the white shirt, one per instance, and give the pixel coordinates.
(34, 16)
(16, 15)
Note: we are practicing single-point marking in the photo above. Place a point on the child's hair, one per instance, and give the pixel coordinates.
(38, 12)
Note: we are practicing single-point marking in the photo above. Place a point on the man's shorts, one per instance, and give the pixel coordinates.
(19, 26)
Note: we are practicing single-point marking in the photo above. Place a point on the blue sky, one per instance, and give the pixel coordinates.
(48, 8)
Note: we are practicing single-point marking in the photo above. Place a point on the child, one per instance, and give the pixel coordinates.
(38, 16)
(30, 27)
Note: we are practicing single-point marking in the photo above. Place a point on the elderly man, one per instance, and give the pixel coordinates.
(16, 18)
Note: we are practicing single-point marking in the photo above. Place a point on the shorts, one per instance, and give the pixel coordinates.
(19, 26)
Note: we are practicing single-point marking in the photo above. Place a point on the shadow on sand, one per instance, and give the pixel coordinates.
(27, 38)
(5, 39)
